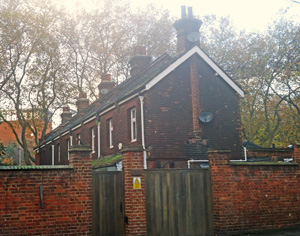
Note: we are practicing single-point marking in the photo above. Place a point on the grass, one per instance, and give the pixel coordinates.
(106, 161)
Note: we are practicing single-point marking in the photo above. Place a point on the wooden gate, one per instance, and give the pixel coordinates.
(178, 202)
(108, 203)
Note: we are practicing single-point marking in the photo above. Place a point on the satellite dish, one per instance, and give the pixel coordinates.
(193, 37)
(206, 117)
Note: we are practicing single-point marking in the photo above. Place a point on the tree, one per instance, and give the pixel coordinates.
(47, 56)
(266, 66)
(101, 41)
(31, 68)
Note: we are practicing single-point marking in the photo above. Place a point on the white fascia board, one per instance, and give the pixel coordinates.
(127, 99)
(65, 133)
(76, 127)
(89, 120)
(186, 56)
(107, 110)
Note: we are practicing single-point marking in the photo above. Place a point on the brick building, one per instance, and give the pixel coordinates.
(7, 136)
(176, 108)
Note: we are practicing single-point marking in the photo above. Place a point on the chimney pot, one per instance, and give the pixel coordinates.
(66, 115)
(105, 85)
(183, 11)
(66, 108)
(184, 27)
(139, 60)
(82, 95)
(82, 102)
(139, 50)
(190, 12)
(106, 77)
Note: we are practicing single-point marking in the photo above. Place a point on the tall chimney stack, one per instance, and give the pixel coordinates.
(105, 85)
(66, 115)
(187, 30)
(139, 60)
(82, 102)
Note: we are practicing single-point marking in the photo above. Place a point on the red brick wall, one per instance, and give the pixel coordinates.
(270, 153)
(121, 125)
(135, 205)
(169, 112)
(67, 200)
(249, 198)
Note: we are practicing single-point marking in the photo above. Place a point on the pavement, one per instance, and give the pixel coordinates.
(280, 232)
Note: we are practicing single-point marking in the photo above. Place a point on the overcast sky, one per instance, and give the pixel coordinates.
(245, 14)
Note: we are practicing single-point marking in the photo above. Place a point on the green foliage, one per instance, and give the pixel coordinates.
(266, 65)
(105, 161)
(7, 154)
(48, 56)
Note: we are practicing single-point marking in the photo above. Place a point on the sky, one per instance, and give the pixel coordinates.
(251, 15)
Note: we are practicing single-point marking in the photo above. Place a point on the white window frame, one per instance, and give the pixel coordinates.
(99, 143)
(78, 139)
(93, 139)
(133, 126)
(110, 132)
(68, 147)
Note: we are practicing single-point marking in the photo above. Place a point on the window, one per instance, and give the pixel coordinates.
(68, 147)
(110, 133)
(99, 150)
(78, 139)
(133, 124)
(93, 139)
(58, 153)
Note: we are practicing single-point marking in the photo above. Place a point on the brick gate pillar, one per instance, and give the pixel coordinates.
(81, 191)
(297, 153)
(134, 191)
(219, 162)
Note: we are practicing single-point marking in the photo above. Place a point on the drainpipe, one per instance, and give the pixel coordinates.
(245, 155)
(99, 143)
(193, 161)
(143, 131)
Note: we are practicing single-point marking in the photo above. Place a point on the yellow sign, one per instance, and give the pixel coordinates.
(136, 182)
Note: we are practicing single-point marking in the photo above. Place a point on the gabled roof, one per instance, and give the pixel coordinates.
(207, 59)
(143, 81)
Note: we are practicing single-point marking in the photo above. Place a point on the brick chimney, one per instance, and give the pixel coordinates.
(105, 85)
(139, 60)
(66, 115)
(187, 30)
(82, 102)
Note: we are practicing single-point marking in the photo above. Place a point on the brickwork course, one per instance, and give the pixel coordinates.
(66, 208)
(254, 197)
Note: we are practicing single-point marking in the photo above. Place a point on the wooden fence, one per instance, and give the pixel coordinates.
(108, 203)
(178, 202)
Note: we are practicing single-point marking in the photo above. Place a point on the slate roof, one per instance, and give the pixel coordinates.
(122, 91)
(134, 85)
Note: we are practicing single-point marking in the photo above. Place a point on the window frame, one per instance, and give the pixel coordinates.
(68, 147)
(133, 125)
(110, 133)
(93, 136)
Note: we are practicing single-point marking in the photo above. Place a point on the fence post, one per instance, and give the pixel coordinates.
(134, 191)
